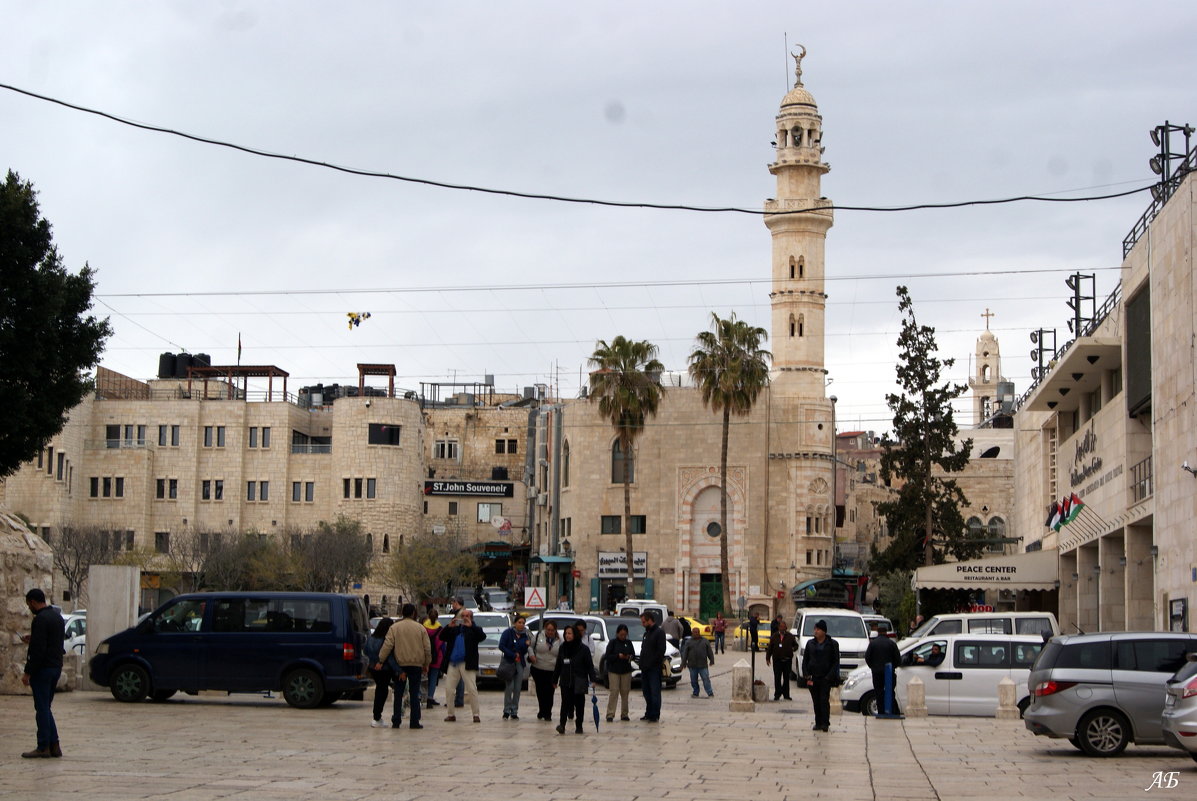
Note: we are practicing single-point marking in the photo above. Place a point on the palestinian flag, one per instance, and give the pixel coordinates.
(1053, 515)
(1074, 508)
(1063, 516)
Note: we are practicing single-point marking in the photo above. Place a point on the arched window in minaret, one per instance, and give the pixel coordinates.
(793, 326)
(810, 137)
(781, 137)
(801, 267)
(796, 136)
(985, 373)
(386, 543)
(792, 267)
(801, 324)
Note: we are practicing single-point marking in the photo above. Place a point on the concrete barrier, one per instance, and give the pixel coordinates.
(1007, 702)
(916, 698)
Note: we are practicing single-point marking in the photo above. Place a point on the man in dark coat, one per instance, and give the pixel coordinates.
(780, 654)
(821, 668)
(43, 666)
(652, 658)
(461, 638)
(882, 651)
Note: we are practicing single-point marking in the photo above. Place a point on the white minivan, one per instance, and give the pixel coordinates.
(1041, 623)
(845, 626)
(960, 673)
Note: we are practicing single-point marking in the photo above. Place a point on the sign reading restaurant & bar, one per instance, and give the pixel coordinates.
(500, 489)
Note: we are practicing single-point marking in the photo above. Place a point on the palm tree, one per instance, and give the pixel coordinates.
(626, 384)
(730, 367)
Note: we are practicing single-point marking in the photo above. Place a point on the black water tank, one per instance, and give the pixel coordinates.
(166, 365)
(182, 362)
(201, 360)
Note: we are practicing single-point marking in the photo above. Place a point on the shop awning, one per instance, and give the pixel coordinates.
(552, 560)
(1038, 570)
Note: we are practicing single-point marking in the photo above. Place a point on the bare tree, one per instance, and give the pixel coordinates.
(76, 549)
(248, 561)
(428, 566)
(332, 558)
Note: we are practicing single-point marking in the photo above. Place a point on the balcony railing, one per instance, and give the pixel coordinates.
(1141, 481)
(115, 444)
(311, 447)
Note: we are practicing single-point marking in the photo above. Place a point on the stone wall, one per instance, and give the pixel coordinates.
(25, 562)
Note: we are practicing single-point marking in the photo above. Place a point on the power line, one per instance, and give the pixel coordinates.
(554, 198)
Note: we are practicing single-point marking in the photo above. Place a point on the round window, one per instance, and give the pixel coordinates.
(714, 529)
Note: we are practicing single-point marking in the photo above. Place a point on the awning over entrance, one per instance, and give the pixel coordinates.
(552, 560)
(1037, 570)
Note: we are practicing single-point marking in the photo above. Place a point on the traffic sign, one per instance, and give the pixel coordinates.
(534, 597)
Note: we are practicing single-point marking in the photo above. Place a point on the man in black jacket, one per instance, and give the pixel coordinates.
(652, 658)
(821, 668)
(43, 666)
(882, 651)
(780, 654)
(461, 638)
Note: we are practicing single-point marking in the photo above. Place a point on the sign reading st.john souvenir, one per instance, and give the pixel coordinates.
(490, 489)
(614, 564)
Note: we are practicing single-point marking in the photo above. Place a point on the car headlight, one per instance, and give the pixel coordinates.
(852, 682)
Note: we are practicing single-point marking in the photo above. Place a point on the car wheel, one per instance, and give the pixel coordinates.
(1022, 707)
(602, 676)
(161, 695)
(1103, 733)
(1075, 743)
(868, 705)
(129, 683)
(303, 688)
(1194, 755)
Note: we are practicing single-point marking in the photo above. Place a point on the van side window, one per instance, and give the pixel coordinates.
(989, 625)
(303, 615)
(995, 655)
(948, 627)
(1032, 625)
(1090, 655)
(239, 614)
(968, 654)
(1152, 656)
(1025, 653)
(182, 616)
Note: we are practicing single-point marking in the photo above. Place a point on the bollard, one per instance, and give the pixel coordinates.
(1007, 705)
(887, 704)
(742, 688)
(916, 698)
(837, 707)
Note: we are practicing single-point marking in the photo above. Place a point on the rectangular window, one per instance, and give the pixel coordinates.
(425, 507)
(49, 460)
(445, 449)
(220, 436)
(106, 484)
(207, 436)
(218, 489)
(61, 465)
(489, 511)
(128, 435)
(452, 508)
(174, 436)
(118, 540)
(253, 437)
(160, 489)
(511, 446)
(251, 490)
(263, 490)
(265, 436)
(383, 434)
(639, 524)
(357, 488)
(611, 524)
(120, 487)
(162, 434)
(95, 487)
(141, 436)
(371, 488)
(41, 456)
(112, 436)
(309, 491)
(162, 541)
(296, 491)
(345, 483)
(172, 489)
(206, 490)
(500, 446)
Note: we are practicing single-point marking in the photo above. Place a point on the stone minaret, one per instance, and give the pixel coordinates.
(801, 430)
(987, 374)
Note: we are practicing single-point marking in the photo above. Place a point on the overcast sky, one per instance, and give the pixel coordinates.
(664, 102)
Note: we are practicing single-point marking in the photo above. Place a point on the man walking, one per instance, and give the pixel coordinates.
(43, 666)
(821, 667)
(408, 641)
(513, 644)
(461, 638)
(698, 656)
(882, 651)
(652, 658)
(780, 653)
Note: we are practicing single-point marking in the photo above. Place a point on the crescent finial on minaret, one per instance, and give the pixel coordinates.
(798, 65)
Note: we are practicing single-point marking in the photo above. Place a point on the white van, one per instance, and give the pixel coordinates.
(636, 608)
(961, 680)
(1041, 623)
(844, 626)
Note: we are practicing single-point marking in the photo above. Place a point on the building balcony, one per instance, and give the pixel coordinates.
(1076, 373)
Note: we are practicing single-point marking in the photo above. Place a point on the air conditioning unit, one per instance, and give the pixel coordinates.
(542, 499)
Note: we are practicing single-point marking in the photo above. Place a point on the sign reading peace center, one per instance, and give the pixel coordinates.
(490, 489)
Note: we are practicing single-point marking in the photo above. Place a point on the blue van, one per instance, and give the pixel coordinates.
(309, 645)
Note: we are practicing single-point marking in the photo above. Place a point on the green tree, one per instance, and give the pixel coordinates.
(626, 384)
(333, 557)
(48, 341)
(428, 566)
(730, 368)
(249, 561)
(925, 518)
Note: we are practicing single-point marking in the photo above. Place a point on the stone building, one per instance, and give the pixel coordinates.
(1110, 420)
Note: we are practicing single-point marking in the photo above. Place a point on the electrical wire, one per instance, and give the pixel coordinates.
(556, 198)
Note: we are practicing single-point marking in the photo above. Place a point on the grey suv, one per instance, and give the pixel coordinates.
(1103, 691)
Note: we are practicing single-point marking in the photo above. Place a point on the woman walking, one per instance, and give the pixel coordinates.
(574, 674)
(619, 656)
(542, 655)
(382, 678)
(438, 656)
(719, 628)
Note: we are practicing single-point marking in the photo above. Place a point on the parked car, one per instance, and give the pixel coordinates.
(845, 626)
(76, 632)
(885, 626)
(1104, 691)
(1041, 623)
(500, 599)
(309, 645)
(602, 630)
(698, 628)
(1180, 708)
(493, 622)
(964, 683)
(741, 634)
(636, 607)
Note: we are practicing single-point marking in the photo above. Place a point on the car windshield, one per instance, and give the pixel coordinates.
(837, 626)
(498, 596)
(491, 641)
(491, 621)
(635, 628)
(593, 627)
